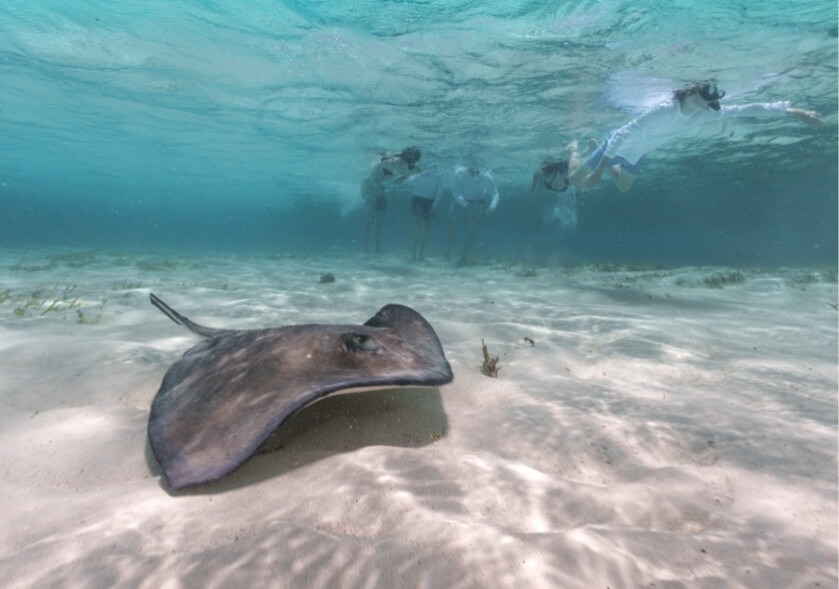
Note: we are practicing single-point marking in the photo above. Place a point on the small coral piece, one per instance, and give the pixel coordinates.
(490, 366)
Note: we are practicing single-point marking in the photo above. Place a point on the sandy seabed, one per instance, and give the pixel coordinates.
(663, 428)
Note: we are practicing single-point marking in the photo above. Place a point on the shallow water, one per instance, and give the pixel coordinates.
(665, 413)
(204, 126)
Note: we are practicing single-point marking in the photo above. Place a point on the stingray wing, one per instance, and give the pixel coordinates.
(226, 396)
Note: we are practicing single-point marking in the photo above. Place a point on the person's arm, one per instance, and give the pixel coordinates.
(810, 117)
(390, 169)
(457, 187)
(365, 188)
(765, 110)
(614, 143)
(570, 151)
(400, 169)
(382, 172)
(491, 189)
(653, 121)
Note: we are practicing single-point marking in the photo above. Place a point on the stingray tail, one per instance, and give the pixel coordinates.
(181, 320)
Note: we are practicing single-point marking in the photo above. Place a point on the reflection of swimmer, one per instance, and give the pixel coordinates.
(474, 192)
(391, 168)
(555, 174)
(427, 188)
(690, 107)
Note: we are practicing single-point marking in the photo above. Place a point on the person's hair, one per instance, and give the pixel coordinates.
(708, 90)
(550, 169)
(560, 167)
(411, 155)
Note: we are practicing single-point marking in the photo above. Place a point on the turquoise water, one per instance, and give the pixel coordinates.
(202, 125)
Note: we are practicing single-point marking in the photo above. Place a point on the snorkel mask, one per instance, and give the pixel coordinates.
(711, 94)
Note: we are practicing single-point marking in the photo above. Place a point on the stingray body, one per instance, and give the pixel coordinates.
(225, 397)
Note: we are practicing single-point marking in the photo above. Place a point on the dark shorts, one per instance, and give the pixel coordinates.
(378, 204)
(421, 207)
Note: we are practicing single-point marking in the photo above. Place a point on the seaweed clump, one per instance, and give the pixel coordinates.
(490, 366)
(58, 301)
(723, 279)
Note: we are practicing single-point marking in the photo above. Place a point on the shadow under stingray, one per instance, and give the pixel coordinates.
(407, 417)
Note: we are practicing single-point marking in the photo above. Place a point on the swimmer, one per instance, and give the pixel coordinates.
(473, 192)
(427, 186)
(625, 147)
(394, 168)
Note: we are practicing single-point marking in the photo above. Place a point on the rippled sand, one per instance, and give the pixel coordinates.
(648, 427)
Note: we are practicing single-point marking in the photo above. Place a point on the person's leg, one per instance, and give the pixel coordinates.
(575, 158)
(424, 226)
(416, 229)
(586, 164)
(623, 179)
(368, 224)
(450, 228)
(474, 211)
(624, 174)
(379, 224)
(415, 239)
(421, 211)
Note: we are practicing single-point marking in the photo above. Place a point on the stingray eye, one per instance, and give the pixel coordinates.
(357, 342)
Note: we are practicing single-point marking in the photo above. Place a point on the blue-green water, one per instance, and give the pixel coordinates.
(203, 125)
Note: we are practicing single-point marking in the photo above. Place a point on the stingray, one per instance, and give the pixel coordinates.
(229, 393)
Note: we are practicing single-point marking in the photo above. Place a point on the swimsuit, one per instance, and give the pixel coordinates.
(421, 207)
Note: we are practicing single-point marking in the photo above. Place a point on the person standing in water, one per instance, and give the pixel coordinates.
(390, 169)
(473, 192)
(427, 188)
(690, 107)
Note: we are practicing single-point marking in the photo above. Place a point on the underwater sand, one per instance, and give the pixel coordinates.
(666, 427)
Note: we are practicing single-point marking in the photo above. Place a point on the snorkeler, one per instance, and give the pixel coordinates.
(556, 174)
(689, 107)
(473, 191)
(427, 188)
(390, 168)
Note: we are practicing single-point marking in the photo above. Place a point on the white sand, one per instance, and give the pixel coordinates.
(660, 432)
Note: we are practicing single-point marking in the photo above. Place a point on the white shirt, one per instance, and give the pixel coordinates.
(665, 122)
(467, 188)
(427, 184)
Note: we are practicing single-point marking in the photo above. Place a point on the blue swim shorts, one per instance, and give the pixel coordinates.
(595, 158)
